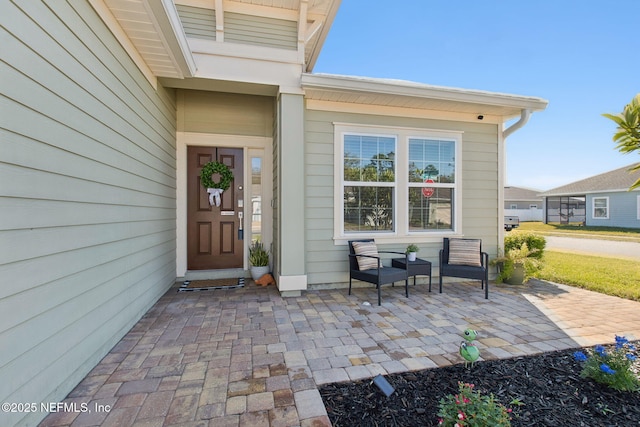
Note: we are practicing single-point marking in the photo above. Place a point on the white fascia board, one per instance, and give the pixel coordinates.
(248, 70)
(238, 50)
(412, 89)
(327, 22)
(590, 192)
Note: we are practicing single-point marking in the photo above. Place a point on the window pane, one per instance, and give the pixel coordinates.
(256, 198)
(431, 209)
(599, 213)
(368, 209)
(369, 158)
(600, 208)
(431, 159)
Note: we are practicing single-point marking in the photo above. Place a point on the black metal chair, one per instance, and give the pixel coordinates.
(477, 272)
(379, 275)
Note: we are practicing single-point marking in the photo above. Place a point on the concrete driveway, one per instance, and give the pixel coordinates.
(618, 249)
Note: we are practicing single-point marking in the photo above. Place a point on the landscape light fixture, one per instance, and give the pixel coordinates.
(383, 385)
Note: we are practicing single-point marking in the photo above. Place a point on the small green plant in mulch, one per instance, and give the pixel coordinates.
(612, 368)
(469, 408)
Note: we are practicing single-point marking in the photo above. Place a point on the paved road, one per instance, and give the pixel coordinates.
(595, 246)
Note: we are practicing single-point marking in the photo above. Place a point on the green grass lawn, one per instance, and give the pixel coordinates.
(611, 276)
(611, 233)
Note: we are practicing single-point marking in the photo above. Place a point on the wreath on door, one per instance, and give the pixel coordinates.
(215, 189)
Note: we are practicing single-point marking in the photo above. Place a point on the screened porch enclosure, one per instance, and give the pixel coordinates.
(566, 210)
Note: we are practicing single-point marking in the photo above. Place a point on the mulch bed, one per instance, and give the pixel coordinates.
(548, 386)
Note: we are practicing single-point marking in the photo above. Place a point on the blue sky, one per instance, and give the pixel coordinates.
(582, 56)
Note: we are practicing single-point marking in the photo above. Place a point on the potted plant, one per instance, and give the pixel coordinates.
(517, 266)
(412, 251)
(259, 259)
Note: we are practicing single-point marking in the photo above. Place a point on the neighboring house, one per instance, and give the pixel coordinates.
(601, 200)
(524, 203)
(111, 108)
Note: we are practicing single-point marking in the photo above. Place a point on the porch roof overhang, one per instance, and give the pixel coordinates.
(152, 34)
(406, 94)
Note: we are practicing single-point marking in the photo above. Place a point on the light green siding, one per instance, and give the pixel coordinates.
(326, 262)
(254, 30)
(87, 198)
(275, 246)
(260, 31)
(198, 22)
(227, 113)
(291, 185)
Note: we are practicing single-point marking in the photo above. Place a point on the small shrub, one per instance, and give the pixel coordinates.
(535, 242)
(614, 368)
(518, 256)
(470, 408)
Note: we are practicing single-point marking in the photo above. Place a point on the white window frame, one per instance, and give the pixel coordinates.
(593, 207)
(638, 207)
(400, 232)
(384, 184)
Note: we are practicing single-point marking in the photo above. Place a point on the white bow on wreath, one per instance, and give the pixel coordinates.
(214, 196)
(215, 189)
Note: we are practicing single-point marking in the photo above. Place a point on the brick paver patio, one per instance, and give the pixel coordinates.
(248, 357)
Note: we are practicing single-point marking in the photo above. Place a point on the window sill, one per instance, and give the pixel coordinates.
(435, 237)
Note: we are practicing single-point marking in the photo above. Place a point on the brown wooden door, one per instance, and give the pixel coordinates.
(213, 241)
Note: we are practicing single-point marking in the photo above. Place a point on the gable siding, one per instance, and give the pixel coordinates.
(198, 22)
(260, 31)
(87, 198)
(326, 262)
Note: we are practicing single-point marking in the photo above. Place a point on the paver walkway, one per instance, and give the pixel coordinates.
(248, 357)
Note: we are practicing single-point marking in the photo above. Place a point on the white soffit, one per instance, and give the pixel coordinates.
(406, 94)
(154, 29)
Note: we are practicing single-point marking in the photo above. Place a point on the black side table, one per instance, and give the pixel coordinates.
(417, 267)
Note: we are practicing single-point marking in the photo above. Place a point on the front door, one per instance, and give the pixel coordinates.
(214, 239)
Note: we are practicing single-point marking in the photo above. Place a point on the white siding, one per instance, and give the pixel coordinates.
(326, 262)
(87, 198)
